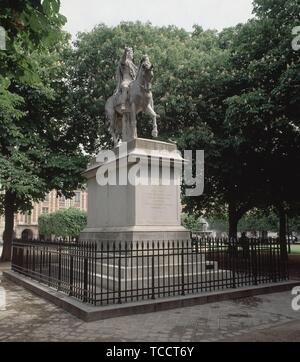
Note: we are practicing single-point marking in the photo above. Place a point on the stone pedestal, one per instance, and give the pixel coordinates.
(147, 210)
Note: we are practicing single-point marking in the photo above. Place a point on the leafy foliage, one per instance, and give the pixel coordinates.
(38, 151)
(252, 140)
(63, 223)
(31, 26)
(235, 94)
(191, 222)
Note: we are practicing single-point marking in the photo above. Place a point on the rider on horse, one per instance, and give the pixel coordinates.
(132, 96)
(126, 73)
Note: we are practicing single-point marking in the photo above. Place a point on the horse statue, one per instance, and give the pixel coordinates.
(123, 122)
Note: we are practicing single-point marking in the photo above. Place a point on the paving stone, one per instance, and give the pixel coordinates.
(30, 318)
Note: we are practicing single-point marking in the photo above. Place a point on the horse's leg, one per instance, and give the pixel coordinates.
(119, 128)
(115, 136)
(152, 113)
(133, 127)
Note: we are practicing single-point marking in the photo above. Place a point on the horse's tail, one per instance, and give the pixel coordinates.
(111, 119)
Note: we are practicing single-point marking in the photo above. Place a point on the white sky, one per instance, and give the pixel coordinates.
(83, 15)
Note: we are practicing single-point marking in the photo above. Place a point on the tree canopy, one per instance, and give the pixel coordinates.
(252, 141)
(38, 151)
(235, 94)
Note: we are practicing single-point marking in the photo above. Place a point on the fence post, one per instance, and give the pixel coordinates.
(41, 266)
(274, 260)
(153, 290)
(59, 268)
(233, 253)
(49, 269)
(85, 279)
(27, 260)
(13, 259)
(254, 261)
(33, 259)
(20, 259)
(71, 275)
(286, 268)
(94, 258)
(119, 276)
(182, 269)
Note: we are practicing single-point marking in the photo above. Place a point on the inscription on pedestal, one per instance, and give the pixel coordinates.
(158, 205)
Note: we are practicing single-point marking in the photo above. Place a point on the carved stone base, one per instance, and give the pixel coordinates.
(147, 210)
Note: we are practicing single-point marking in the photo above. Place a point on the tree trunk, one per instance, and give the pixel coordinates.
(233, 220)
(282, 224)
(9, 202)
(282, 231)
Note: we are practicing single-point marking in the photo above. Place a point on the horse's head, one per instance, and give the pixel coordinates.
(146, 69)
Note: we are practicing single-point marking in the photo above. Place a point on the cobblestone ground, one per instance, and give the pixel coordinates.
(26, 317)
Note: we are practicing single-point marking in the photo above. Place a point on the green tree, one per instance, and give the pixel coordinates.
(266, 113)
(294, 225)
(63, 223)
(252, 139)
(259, 221)
(30, 26)
(37, 144)
(227, 186)
(191, 222)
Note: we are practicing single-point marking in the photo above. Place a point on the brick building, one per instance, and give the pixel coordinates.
(26, 225)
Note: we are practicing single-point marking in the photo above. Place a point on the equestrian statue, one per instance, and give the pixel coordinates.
(131, 97)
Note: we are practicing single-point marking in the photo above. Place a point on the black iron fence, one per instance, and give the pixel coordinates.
(123, 272)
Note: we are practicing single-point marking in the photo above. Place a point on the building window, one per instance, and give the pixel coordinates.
(77, 197)
(45, 210)
(27, 218)
(46, 197)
